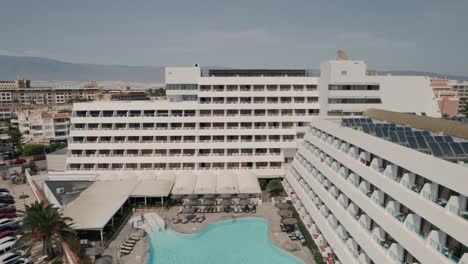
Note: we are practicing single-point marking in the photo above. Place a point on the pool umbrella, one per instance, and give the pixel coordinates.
(289, 221)
(176, 196)
(208, 202)
(285, 213)
(190, 203)
(283, 206)
(94, 251)
(106, 259)
(225, 195)
(243, 202)
(243, 195)
(226, 202)
(209, 196)
(187, 210)
(191, 196)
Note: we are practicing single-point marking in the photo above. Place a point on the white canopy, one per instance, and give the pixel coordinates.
(98, 203)
(147, 175)
(227, 183)
(167, 175)
(184, 183)
(206, 183)
(151, 188)
(248, 183)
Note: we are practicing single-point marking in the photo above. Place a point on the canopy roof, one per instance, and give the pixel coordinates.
(206, 183)
(98, 203)
(184, 183)
(227, 183)
(248, 183)
(148, 188)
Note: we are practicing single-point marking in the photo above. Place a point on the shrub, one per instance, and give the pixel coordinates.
(33, 149)
(263, 184)
(274, 187)
(56, 146)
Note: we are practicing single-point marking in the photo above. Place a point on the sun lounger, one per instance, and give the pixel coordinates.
(135, 238)
(235, 210)
(124, 252)
(181, 209)
(240, 209)
(130, 245)
(184, 221)
(219, 209)
(126, 247)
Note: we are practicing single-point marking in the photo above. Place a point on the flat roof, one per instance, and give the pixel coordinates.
(152, 188)
(256, 72)
(96, 205)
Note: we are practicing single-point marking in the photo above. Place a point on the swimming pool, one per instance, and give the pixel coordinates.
(239, 241)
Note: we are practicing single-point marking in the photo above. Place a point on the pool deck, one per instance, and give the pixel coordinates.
(267, 211)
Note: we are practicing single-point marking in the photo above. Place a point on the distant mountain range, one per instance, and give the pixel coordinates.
(43, 69)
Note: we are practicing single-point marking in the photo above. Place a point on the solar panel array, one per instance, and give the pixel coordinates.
(441, 146)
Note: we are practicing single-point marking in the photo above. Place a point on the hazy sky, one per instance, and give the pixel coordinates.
(398, 34)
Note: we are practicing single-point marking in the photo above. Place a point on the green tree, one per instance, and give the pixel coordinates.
(45, 224)
(56, 146)
(274, 187)
(14, 137)
(465, 111)
(33, 149)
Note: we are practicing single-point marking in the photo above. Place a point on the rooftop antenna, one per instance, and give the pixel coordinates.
(342, 55)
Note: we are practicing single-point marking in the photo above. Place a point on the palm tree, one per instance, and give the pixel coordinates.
(45, 223)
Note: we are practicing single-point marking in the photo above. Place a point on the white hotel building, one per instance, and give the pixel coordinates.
(232, 119)
(370, 200)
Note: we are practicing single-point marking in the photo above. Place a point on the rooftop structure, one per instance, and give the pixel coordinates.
(374, 201)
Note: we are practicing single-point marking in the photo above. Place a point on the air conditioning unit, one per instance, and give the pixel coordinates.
(60, 190)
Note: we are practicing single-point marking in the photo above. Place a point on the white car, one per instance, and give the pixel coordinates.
(7, 239)
(7, 221)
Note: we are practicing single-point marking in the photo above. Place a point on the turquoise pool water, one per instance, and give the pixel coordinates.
(240, 241)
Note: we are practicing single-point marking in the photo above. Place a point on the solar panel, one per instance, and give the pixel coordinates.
(425, 133)
(393, 137)
(439, 139)
(435, 149)
(385, 132)
(422, 142)
(402, 136)
(366, 128)
(448, 139)
(464, 146)
(378, 132)
(446, 149)
(457, 148)
(429, 138)
(412, 143)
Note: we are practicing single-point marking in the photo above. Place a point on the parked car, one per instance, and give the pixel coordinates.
(7, 200)
(8, 215)
(10, 227)
(9, 258)
(7, 239)
(5, 248)
(36, 158)
(2, 205)
(7, 221)
(17, 161)
(11, 209)
(7, 233)
(5, 194)
(4, 190)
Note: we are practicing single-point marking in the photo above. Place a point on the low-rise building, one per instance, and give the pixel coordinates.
(38, 126)
(461, 87)
(14, 94)
(447, 99)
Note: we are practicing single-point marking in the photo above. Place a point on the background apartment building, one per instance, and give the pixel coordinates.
(461, 87)
(229, 119)
(20, 92)
(43, 127)
(447, 99)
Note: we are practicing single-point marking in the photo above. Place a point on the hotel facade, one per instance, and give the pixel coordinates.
(368, 200)
(224, 119)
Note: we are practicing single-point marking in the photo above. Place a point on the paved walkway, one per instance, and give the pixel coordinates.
(266, 211)
(16, 191)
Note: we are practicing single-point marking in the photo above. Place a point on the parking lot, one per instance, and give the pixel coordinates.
(18, 190)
